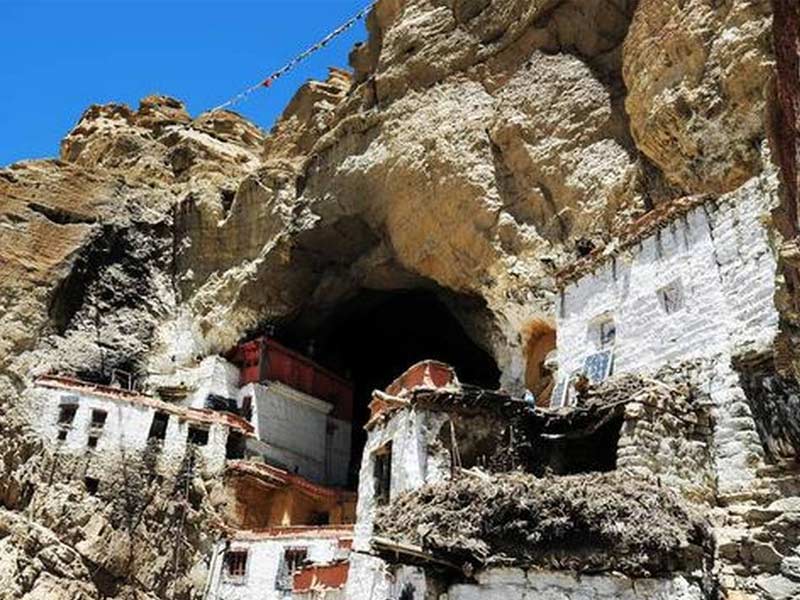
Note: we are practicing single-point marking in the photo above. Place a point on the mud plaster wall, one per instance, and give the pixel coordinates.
(263, 564)
(125, 432)
(252, 505)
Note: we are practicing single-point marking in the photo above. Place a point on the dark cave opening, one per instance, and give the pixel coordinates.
(374, 337)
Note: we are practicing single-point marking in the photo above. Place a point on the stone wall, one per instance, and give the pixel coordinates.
(516, 584)
(670, 440)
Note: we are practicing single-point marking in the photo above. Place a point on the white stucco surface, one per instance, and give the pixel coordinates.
(719, 256)
(125, 431)
(414, 462)
(294, 426)
(212, 375)
(264, 561)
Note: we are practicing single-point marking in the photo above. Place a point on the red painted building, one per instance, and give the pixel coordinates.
(263, 360)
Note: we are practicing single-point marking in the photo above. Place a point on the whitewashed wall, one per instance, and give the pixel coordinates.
(516, 584)
(213, 375)
(414, 463)
(721, 258)
(126, 429)
(264, 561)
(292, 425)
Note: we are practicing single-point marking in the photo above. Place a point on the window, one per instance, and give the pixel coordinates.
(320, 518)
(99, 419)
(158, 428)
(236, 564)
(671, 297)
(62, 435)
(603, 332)
(293, 560)
(408, 592)
(92, 442)
(92, 485)
(198, 436)
(66, 413)
(247, 407)
(382, 474)
(235, 446)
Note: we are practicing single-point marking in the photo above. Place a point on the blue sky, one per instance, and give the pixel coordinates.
(60, 56)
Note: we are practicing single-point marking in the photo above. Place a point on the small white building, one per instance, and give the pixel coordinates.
(412, 434)
(296, 430)
(694, 279)
(110, 425)
(281, 562)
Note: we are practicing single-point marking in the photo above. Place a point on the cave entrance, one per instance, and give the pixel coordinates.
(374, 337)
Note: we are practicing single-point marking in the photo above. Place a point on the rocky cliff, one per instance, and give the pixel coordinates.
(475, 148)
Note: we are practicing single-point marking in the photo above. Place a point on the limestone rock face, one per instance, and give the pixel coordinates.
(477, 146)
(697, 75)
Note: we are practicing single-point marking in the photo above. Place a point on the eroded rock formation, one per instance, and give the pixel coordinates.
(477, 145)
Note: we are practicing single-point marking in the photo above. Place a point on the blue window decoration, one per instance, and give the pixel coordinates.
(597, 367)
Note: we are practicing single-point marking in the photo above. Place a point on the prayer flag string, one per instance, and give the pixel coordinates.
(269, 80)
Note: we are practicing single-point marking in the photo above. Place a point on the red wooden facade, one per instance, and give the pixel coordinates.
(263, 359)
(430, 374)
(321, 577)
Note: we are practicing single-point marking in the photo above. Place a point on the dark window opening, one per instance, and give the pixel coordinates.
(99, 419)
(198, 436)
(382, 474)
(671, 297)
(221, 404)
(92, 442)
(574, 453)
(235, 446)
(408, 326)
(66, 413)
(293, 560)
(235, 564)
(320, 518)
(62, 435)
(247, 408)
(92, 485)
(158, 428)
(407, 593)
